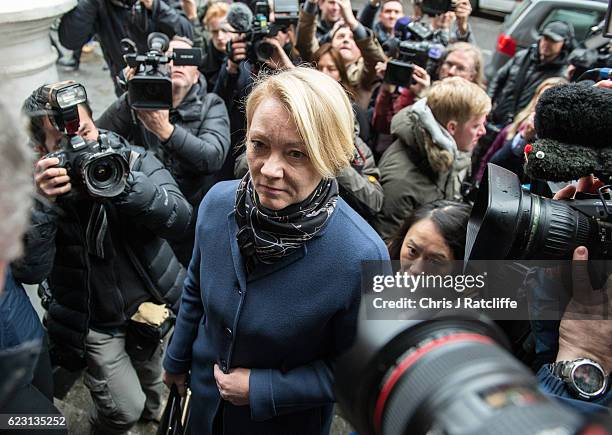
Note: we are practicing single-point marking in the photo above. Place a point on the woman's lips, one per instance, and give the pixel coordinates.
(270, 190)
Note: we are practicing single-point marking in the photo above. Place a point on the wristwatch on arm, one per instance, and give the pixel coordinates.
(586, 378)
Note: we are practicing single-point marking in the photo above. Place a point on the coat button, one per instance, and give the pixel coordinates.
(223, 365)
(228, 332)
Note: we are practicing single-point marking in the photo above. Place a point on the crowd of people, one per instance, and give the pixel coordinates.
(249, 205)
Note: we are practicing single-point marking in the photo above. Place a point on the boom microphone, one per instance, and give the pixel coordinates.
(574, 128)
(240, 17)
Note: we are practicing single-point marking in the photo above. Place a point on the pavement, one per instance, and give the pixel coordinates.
(94, 75)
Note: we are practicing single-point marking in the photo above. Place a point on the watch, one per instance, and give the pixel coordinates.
(584, 377)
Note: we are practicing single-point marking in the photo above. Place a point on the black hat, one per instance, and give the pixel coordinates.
(558, 31)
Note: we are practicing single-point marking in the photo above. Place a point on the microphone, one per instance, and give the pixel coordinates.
(574, 130)
(240, 17)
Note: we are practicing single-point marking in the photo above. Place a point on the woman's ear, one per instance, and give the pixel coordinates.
(451, 126)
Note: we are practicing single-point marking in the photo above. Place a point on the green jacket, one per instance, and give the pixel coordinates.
(417, 169)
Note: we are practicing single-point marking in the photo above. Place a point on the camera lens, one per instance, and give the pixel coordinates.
(105, 175)
(263, 50)
(524, 225)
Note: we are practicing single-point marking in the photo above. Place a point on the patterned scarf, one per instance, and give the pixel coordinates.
(266, 235)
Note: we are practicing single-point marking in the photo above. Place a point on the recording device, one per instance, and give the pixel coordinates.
(255, 25)
(93, 167)
(151, 86)
(398, 73)
(573, 127)
(448, 375)
(437, 7)
(527, 226)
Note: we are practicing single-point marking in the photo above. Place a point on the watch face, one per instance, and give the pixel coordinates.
(588, 378)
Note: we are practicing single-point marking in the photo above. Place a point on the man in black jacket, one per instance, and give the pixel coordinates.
(192, 139)
(103, 258)
(515, 83)
(113, 20)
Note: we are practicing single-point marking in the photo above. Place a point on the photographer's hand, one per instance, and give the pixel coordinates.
(237, 54)
(584, 332)
(463, 9)
(422, 79)
(157, 122)
(347, 14)
(279, 59)
(50, 180)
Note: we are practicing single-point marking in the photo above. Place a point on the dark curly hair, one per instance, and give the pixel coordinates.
(449, 217)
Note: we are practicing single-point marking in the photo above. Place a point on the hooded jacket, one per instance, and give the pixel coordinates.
(422, 165)
(515, 83)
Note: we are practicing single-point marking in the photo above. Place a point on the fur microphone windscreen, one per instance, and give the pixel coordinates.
(576, 113)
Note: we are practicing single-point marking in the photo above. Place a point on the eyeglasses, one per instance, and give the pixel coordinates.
(460, 68)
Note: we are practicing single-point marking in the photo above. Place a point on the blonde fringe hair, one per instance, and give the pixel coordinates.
(216, 10)
(524, 114)
(452, 99)
(320, 109)
(457, 99)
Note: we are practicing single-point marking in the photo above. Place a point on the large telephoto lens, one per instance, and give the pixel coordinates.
(448, 376)
(508, 222)
(105, 175)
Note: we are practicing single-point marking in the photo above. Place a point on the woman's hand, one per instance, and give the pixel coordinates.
(180, 380)
(233, 386)
(528, 128)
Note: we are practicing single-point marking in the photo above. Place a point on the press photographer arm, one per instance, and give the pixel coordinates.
(153, 199)
(170, 20)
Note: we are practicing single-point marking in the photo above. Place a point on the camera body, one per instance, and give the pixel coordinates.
(151, 86)
(94, 168)
(286, 12)
(425, 54)
(437, 7)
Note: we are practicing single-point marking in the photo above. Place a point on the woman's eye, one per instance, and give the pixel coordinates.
(257, 146)
(412, 253)
(296, 154)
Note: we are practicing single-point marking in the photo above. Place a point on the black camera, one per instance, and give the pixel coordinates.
(258, 27)
(451, 374)
(151, 86)
(93, 167)
(509, 222)
(437, 7)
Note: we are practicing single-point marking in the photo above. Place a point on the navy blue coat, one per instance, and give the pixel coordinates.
(286, 322)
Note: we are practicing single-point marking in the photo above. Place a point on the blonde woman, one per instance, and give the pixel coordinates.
(273, 287)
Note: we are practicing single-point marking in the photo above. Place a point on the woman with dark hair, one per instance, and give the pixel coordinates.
(433, 233)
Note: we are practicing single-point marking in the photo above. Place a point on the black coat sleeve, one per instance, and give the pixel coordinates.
(153, 199)
(117, 118)
(79, 25)
(39, 243)
(204, 152)
(170, 20)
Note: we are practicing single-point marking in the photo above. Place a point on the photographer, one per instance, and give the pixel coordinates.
(389, 14)
(516, 82)
(112, 20)
(103, 259)
(216, 51)
(236, 79)
(460, 60)
(435, 137)
(191, 139)
(357, 45)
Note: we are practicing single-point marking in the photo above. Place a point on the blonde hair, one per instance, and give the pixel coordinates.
(216, 10)
(457, 99)
(524, 114)
(476, 56)
(320, 109)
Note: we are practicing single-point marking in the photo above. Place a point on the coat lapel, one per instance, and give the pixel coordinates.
(262, 270)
